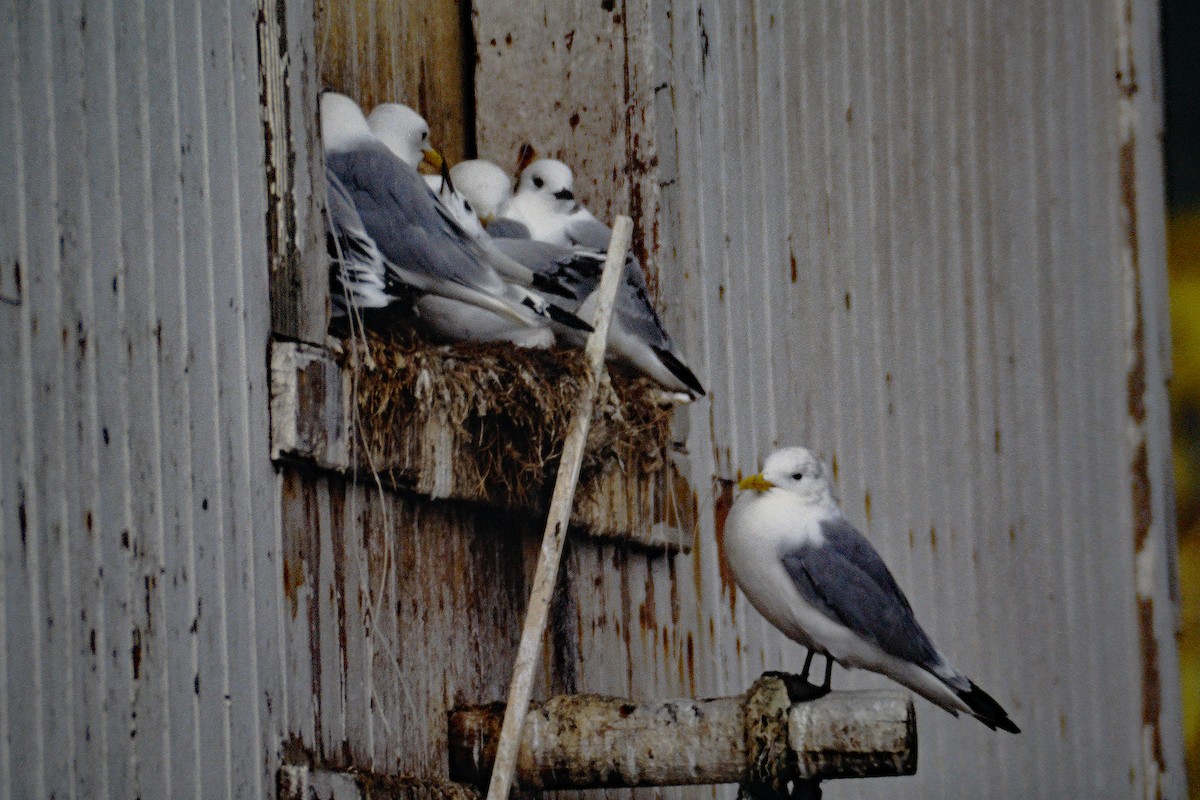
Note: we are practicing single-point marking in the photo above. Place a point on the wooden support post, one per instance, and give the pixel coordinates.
(555, 534)
(588, 741)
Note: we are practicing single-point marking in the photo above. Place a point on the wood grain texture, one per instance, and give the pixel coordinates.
(400, 609)
(399, 51)
(295, 176)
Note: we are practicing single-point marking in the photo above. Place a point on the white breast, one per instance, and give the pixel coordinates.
(760, 528)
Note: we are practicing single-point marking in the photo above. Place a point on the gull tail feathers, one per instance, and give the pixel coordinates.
(546, 310)
(679, 369)
(985, 708)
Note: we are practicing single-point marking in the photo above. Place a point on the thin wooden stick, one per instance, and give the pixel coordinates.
(544, 579)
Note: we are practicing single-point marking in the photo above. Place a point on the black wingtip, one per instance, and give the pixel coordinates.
(553, 287)
(987, 710)
(679, 370)
(567, 318)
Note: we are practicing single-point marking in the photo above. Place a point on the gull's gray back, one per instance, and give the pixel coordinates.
(847, 581)
(403, 216)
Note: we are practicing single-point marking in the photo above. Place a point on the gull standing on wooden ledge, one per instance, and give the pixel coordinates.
(806, 569)
(545, 206)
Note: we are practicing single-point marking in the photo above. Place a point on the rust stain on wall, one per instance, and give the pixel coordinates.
(722, 502)
(1137, 370)
(1143, 512)
(1151, 681)
(1141, 489)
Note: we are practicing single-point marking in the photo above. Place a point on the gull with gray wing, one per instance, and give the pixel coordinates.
(809, 571)
(545, 205)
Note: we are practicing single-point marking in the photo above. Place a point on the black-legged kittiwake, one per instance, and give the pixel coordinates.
(424, 248)
(806, 568)
(545, 204)
(485, 184)
(445, 318)
(459, 206)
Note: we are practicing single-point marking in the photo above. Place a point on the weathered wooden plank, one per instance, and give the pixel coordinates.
(310, 405)
(295, 176)
(440, 590)
(400, 51)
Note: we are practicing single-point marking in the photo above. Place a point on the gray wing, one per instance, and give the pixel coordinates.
(636, 312)
(585, 230)
(847, 580)
(411, 228)
(357, 270)
(506, 228)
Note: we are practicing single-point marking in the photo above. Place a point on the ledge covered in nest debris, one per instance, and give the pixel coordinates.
(483, 423)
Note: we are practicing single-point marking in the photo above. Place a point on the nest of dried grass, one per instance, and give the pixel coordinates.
(506, 409)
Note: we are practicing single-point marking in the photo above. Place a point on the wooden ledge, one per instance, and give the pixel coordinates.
(318, 418)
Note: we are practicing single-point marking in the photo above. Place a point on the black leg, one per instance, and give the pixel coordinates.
(807, 663)
(828, 673)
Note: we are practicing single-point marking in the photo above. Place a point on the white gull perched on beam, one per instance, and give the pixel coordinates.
(423, 246)
(806, 568)
(545, 205)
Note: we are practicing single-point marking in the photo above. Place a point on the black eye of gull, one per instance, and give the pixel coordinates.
(797, 476)
(538, 182)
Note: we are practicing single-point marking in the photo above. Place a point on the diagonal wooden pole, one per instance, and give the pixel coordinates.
(546, 575)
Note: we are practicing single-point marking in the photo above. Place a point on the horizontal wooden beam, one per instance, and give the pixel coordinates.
(761, 738)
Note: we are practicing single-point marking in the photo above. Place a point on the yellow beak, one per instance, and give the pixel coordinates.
(756, 482)
(433, 158)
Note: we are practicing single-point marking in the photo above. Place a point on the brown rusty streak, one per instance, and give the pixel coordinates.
(526, 154)
(647, 612)
(1151, 680)
(293, 560)
(691, 663)
(673, 501)
(1137, 371)
(1143, 512)
(1140, 486)
(722, 502)
(336, 492)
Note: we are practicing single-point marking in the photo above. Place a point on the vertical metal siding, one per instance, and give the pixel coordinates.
(925, 239)
(140, 649)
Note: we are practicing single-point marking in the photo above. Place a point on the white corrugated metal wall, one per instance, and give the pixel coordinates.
(926, 239)
(140, 650)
